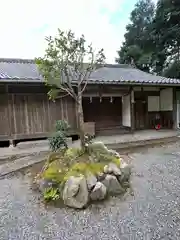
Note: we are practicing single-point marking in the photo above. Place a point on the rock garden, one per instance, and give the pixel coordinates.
(80, 176)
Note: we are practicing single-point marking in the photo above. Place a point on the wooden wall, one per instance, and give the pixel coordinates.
(105, 114)
(166, 119)
(26, 112)
(145, 117)
(32, 115)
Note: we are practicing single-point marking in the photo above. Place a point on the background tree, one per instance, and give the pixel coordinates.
(173, 70)
(138, 44)
(166, 32)
(152, 39)
(66, 67)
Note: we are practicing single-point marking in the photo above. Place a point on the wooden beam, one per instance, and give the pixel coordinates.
(132, 109)
(103, 95)
(174, 109)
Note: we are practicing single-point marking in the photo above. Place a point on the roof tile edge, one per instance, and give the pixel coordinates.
(17, 60)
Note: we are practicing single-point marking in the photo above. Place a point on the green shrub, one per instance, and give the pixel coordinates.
(62, 126)
(58, 139)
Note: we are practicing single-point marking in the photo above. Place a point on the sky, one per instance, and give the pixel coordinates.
(24, 24)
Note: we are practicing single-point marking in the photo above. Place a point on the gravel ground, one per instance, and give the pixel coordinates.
(152, 212)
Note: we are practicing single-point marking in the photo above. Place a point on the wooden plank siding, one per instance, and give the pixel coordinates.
(25, 116)
(107, 115)
(27, 113)
(145, 119)
(166, 119)
(4, 117)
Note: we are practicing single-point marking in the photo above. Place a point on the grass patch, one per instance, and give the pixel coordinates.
(73, 162)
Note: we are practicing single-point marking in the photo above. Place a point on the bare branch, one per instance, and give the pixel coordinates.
(65, 89)
(65, 95)
(85, 85)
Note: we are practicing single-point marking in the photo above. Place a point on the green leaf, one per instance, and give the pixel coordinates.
(63, 62)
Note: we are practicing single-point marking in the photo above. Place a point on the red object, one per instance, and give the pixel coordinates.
(158, 126)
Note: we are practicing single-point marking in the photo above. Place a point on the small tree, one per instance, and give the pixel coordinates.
(66, 67)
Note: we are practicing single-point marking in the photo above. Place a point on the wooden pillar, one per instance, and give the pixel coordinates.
(9, 112)
(174, 109)
(12, 143)
(132, 109)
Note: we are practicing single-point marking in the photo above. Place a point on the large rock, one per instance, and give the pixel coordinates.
(75, 193)
(112, 168)
(112, 185)
(98, 146)
(91, 181)
(99, 192)
(125, 172)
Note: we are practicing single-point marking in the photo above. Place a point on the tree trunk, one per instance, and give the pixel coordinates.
(80, 119)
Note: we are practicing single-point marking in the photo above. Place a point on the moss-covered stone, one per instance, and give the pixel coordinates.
(54, 156)
(116, 161)
(64, 166)
(71, 155)
(97, 148)
(61, 165)
(84, 169)
(96, 168)
(54, 171)
(100, 153)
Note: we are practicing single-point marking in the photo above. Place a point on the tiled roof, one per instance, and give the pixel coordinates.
(26, 70)
(128, 75)
(18, 69)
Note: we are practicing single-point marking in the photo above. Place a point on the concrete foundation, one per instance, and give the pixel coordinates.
(129, 139)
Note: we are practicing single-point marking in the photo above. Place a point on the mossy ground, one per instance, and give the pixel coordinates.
(73, 162)
(85, 169)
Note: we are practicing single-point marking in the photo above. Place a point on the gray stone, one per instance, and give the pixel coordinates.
(99, 192)
(75, 193)
(114, 153)
(101, 176)
(92, 158)
(106, 169)
(112, 185)
(97, 150)
(69, 141)
(125, 172)
(112, 168)
(98, 147)
(91, 181)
